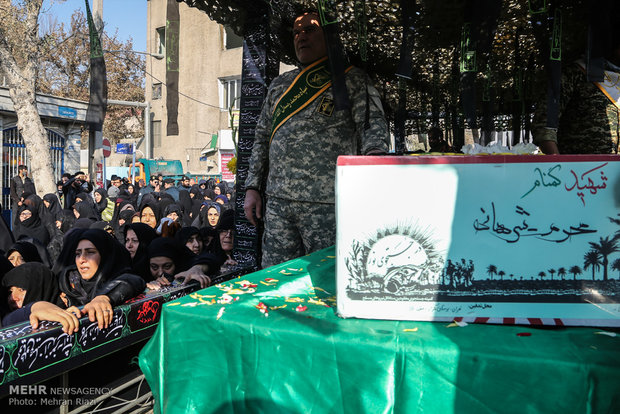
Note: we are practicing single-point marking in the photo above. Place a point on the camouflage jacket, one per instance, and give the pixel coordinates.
(588, 119)
(300, 162)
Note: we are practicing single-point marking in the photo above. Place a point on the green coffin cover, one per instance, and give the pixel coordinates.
(272, 343)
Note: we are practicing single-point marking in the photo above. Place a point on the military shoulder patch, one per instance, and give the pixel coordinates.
(326, 107)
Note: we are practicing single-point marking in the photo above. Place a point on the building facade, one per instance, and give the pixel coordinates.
(209, 81)
(63, 120)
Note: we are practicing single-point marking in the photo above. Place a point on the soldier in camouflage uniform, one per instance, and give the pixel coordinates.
(294, 158)
(589, 120)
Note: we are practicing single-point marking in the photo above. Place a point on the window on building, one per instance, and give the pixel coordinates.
(161, 40)
(231, 40)
(156, 133)
(156, 91)
(230, 91)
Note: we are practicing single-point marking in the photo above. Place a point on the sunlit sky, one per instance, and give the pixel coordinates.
(128, 16)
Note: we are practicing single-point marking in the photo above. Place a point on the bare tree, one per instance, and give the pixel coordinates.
(20, 48)
(64, 71)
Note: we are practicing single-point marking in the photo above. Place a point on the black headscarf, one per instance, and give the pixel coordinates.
(127, 215)
(183, 257)
(145, 233)
(196, 191)
(84, 197)
(204, 213)
(227, 222)
(171, 248)
(140, 262)
(185, 233)
(33, 201)
(103, 204)
(210, 194)
(31, 227)
(86, 210)
(210, 238)
(120, 211)
(54, 205)
(27, 250)
(133, 197)
(38, 281)
(115, 261)
(165, 200)
(149, 201)
(103, 225)
(210, 184)
(195, 212)
(174, 208)
(6, 235)
(83, 223)
(67, 220)
(185, 201)
(5, 267)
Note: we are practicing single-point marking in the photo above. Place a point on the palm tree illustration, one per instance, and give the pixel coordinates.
(491, 270)
(562, 272)
(605, 247)
(616, 266)
(511, 276)
(592, 259)
(616, 221)
(501, 274)
(575, 270)
(551, 272)
(542, 274)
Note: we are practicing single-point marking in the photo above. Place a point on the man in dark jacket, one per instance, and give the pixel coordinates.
(171, 189)
(79, 183)
(184, 183)
(154, 185)
(19, 184)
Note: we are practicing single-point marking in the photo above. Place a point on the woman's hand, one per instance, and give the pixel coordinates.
(162, 281)
(154, 285)
(195, 273)
(63, 297)
(45, 311)
(99, 309)
(74, 310)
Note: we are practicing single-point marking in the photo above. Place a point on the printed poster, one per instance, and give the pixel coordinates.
(227, 175)
(496, 239)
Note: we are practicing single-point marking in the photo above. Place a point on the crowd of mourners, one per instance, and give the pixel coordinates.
(82, 252)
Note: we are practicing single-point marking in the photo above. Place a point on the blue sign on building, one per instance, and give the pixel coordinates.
(67, 112)
(123, 148)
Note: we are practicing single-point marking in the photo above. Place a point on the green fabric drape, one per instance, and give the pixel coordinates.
(292, 360)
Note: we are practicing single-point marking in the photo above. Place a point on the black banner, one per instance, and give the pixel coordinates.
(258, 70)
(172, 67)
(599, 38)
(98, 99)
(400, 119)
(405, 65)
(335, 54)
